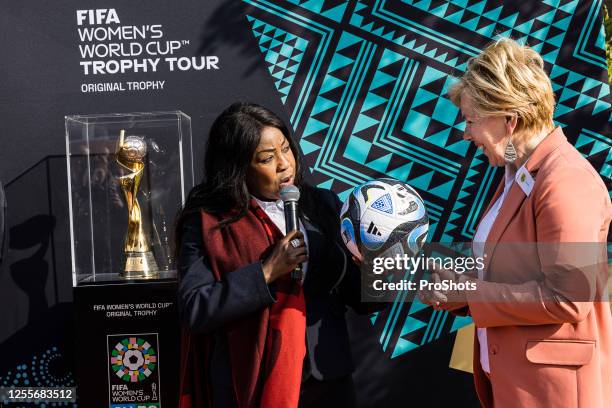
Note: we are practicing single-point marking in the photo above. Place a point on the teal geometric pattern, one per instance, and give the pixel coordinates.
(283, 53)
(365, 86)
(591, 44)
(409, 34)
(334, 10)
(591, 145)
(545, 32)
(431, 116)
(577, 91)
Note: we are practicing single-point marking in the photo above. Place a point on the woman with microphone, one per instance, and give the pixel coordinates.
(258, 335)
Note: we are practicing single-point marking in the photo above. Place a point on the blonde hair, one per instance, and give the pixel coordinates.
(505, 78)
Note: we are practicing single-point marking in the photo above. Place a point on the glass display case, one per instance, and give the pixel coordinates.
(128, 175)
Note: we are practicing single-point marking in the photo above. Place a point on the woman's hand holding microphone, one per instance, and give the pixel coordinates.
(287, 254)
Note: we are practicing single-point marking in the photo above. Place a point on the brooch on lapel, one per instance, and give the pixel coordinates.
(524, 180)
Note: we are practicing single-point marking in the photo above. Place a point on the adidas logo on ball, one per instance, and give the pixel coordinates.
(373, 230)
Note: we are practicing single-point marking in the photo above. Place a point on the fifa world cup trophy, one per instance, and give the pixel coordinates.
(140, 263)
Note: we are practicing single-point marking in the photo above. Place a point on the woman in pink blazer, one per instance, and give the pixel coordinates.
(544, 331)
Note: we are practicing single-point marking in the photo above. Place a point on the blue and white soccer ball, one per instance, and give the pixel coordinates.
(383, 217)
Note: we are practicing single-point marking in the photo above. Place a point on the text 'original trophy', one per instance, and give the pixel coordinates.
(139, 263)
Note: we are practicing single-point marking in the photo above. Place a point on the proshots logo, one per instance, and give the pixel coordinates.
(133, 359)
(134, 370)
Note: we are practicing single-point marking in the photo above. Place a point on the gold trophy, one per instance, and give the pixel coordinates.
(139, 263)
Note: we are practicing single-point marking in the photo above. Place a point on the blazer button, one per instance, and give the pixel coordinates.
(494, 349)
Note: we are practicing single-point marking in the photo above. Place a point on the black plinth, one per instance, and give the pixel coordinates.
(127, 342)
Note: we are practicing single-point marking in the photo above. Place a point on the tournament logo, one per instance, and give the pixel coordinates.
(133, 370)
(133, 359)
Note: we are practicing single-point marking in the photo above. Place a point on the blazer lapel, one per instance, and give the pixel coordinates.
(314, 247)
(498, 192)
(516, 196)
(510, 206)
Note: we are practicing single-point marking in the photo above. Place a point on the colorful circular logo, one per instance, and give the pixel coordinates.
(133, 359)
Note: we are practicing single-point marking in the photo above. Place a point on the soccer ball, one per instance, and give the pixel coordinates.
(133, 359)
(383, 217)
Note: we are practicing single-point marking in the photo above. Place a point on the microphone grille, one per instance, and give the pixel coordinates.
(290, 193)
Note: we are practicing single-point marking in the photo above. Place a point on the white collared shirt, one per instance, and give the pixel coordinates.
(478, 244)
(275, 210)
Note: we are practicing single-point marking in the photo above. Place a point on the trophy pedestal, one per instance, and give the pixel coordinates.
(140, 265)
(138, 313)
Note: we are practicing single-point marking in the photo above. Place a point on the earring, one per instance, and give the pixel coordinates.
(510, 154)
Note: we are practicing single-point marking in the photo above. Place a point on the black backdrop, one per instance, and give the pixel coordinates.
(40, 83)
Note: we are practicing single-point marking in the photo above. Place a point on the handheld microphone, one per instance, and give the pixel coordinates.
(290, 196)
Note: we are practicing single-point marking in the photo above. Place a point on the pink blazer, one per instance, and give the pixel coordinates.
(543, 351)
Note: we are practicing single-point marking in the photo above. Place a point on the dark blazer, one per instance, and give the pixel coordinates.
(332, 282)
